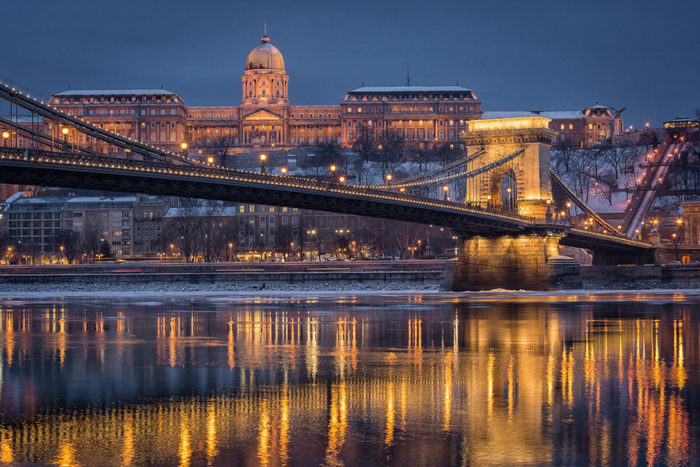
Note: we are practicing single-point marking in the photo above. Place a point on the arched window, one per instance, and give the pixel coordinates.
(509, 192)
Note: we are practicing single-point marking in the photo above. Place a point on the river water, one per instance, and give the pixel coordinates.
(361, 380)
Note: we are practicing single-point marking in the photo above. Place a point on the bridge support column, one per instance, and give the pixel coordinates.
(519, 262)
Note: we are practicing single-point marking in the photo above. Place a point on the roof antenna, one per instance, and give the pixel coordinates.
(408, 76)
(264, 29)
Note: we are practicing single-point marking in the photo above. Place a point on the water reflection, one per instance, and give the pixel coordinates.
(382, 380)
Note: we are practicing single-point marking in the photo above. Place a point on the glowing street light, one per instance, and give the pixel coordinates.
(210, 160)
(184, 146)
(389, 177)
(341, 179)
(283, 170)
(333, 168)
(263, 158)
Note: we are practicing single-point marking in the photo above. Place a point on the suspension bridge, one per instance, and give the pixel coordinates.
(511, 211)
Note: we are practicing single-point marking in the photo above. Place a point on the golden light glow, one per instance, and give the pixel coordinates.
(516, 123)
(5, 134)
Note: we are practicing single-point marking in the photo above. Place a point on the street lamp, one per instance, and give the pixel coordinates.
(341, 179)
(184, 147)
(333, 168)
(5, 136)
(283, 170)
(64, 132)
(389, 177)
(61, 248)
(446, 188)
(210, 160)
(263, 158)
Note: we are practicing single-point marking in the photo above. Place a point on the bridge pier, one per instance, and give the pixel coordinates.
(513, 262)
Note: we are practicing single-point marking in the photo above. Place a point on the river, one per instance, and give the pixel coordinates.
(481, 379)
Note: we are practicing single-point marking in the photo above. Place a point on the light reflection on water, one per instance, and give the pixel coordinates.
(404, 380)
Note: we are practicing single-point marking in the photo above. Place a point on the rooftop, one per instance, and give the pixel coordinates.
(553, 114)
(201, 211)
(114, 92)
(371, 89)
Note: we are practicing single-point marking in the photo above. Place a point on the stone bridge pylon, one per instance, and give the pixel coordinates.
(522, 185)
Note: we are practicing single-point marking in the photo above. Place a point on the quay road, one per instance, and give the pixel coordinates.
(292, 271)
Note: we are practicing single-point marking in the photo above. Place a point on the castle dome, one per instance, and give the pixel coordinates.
(265, 56)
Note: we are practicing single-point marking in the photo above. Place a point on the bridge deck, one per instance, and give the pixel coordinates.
(106, 173)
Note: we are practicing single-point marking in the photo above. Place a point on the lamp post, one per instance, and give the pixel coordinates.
(184, 147)
(61, 248)
(677, 237)
(446, 189)
(312, 234)
(5, 136)
(263, 158)
(64, 132)
(283, 171)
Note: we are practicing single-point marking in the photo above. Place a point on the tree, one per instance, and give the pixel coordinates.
(5, 244)
(221, 150)
(91, 237)
(69, 240)
(284, 236)
(187, 228)
(105, 249)
(364, 143)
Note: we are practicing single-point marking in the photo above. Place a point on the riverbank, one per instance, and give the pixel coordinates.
(280, 278)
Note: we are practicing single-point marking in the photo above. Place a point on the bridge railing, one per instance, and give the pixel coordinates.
(245, 176)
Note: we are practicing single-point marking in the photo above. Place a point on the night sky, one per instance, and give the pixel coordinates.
(516, 55)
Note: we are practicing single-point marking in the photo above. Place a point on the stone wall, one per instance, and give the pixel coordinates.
(527, 262)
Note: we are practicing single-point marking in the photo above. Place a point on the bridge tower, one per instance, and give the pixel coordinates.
(522, 185)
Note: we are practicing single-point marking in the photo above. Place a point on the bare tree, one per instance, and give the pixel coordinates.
(68, 242)
(91, 236)
(283, 239)
(221, 150)
(188, 228)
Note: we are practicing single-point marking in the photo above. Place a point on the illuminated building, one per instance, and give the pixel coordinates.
(423, 115)
(575, 128)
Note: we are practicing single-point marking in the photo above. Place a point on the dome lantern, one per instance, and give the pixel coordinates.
(265, 56)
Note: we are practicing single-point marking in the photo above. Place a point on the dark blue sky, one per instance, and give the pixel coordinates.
(516, 55)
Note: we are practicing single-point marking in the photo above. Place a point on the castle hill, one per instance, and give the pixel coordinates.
(477, 243)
